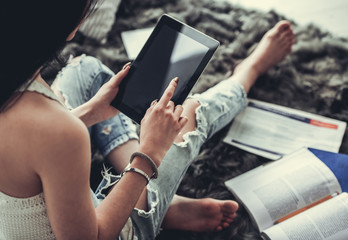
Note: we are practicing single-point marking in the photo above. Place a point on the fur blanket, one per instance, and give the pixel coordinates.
(313, 78)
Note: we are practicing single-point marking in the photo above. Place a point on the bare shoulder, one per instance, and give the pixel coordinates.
(45, 128)
(40, 138)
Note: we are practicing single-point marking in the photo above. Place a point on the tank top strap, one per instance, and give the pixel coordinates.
(36, 86)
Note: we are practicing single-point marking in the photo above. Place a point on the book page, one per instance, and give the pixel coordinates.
(274, 191)
(273, 131)
(134, 40)
(328, 221)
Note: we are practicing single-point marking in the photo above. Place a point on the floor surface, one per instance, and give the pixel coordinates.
(330, 15)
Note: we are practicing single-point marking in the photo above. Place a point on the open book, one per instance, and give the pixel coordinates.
(297, 197)
(273, 131)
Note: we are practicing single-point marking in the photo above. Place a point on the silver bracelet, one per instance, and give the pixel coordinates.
(136, 170)
(144, 156)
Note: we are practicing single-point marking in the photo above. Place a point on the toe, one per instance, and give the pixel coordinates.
(287, 35)
(218, 228)
(230, 207)
(282, 26)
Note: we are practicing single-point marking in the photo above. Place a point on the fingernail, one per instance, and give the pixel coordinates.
(126, 65)
(176, 79)
(154, 102)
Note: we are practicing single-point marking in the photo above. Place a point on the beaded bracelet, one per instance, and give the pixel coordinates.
(144, 156)
(136, 170)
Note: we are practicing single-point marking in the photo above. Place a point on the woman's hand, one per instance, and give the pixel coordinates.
(98, 108)
(103, 98)
(161, 124)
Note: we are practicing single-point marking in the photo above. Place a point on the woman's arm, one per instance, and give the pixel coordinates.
(66, 168)
(64, 174)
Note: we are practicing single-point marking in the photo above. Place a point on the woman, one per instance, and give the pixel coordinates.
(45, 148)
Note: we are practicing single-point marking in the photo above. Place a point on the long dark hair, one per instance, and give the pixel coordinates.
(31, 34)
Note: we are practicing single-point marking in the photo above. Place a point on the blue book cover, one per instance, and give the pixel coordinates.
(337, 162)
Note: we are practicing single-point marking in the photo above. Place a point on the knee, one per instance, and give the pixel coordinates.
(80, 80)
(191, 103)
(75, 61)
(189, 106)
(78, 69)
(87, 69)
(85, 62)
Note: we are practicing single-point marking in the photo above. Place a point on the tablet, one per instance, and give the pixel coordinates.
(173, 49)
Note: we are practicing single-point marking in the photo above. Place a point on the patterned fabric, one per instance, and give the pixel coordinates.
(24, 218)
(98, 25)
(38, 87)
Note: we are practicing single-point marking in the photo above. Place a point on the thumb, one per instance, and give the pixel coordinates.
(116, 80)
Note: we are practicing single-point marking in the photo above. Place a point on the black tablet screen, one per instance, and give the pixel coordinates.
(171, 54)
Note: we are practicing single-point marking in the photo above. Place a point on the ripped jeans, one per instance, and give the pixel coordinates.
(80, 81)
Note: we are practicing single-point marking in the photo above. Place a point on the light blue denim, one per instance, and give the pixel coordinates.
(218, 106)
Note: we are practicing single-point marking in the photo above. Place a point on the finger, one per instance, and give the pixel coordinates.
(178, 111)
(171, 105)
(116, 80)
(154, 102)
(168, 93)
(182, 121)
(126, 65)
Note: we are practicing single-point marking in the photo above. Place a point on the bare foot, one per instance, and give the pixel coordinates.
(274, 46)
(199, 215)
